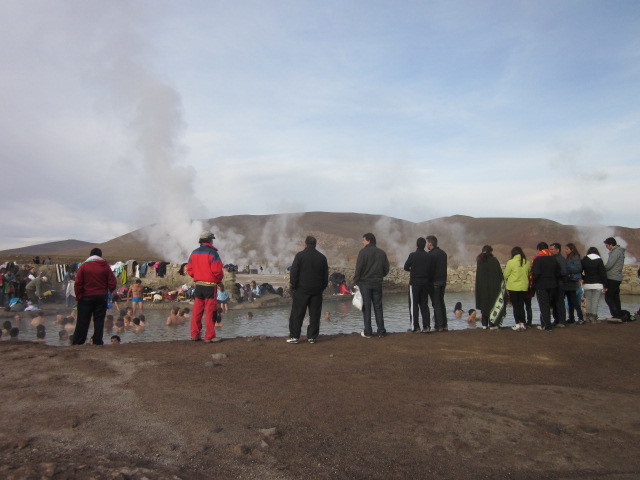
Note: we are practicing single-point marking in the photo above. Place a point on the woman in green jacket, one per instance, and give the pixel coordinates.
(516, 274)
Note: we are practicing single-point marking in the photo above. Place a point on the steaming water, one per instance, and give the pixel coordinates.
(273, 321)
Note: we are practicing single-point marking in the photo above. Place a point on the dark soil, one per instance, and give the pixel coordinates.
(451, 405)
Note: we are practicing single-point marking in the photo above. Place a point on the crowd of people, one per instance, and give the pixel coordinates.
(560, 279)
(566, 285)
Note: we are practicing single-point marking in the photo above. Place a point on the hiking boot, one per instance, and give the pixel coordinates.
(293, 340)
(364, 335)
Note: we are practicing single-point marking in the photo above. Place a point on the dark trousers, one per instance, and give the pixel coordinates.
(372, 294)
(528, 309)
(436, 293)
(517, 302)
(612, 297)
(575, 309)
(558, 307)
(545, 297)
(301, 302)
(92, 306)
(419, 304)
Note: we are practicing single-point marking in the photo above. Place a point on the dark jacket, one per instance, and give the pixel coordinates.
(204, 265)
(545, 272)
(94, 277)
(594, 271)
(372, 266)
(419, 265)
(488, 284)
(438, 274)
(309, 273)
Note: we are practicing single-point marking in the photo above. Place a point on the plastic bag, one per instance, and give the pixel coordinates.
(357, 298)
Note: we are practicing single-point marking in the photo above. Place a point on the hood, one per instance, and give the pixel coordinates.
(593, 256)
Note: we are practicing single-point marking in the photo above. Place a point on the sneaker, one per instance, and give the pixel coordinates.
(548, 329)
(494, 327)
(382, 335)
(213, 340)
(516, 327)
(365, 335)
(416, 330)
(196, 339)
(561, 325)
(311, 340)
(540, 327)
(293, 340)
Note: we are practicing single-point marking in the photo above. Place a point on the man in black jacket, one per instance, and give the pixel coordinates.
(545, 271)
(438, 283)
(309, 277)
(418, 264)
(372, 266)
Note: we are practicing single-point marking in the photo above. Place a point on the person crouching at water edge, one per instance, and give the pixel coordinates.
(205, 267)
(309, 277)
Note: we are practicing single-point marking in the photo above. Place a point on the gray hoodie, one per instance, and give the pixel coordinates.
(615, 263)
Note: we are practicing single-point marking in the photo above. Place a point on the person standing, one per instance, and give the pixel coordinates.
(94, 281)
(418, 266)
(309, 277)
(571, 285)
(490, 289)
(438, 279)
(614, 266)
(372, 266)
(545, 271)
(516, 274)
(594, 277)
(205, 267)
(558, 306)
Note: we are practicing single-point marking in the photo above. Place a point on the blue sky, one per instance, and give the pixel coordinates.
(118, 114)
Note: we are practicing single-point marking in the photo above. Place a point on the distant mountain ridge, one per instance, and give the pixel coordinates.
(274, 239)
(50, 248)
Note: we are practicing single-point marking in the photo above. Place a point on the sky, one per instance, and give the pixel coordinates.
(121, 114)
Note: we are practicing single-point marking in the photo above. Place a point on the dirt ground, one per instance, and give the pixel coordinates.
(451, 405)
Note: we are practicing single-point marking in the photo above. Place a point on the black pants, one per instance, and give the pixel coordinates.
(517, 302)
(575, 309)
(557, 305)
(437, 302)
(528, 309)
(372, 295)
(612, 297)
(545, 297)
(301, 302)
(419, 304)
(96, 306)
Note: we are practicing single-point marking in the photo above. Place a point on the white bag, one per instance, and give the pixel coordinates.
(357, 298)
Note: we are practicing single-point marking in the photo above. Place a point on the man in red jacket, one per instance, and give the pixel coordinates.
(94, 281)
(205, 267)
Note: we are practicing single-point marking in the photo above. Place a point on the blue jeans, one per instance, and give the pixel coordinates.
(372, 294)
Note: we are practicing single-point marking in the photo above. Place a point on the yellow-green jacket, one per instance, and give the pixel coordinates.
(516, 275)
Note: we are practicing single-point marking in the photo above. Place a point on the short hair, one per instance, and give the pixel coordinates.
(96, 251)
(610, 241)
(115, 337)
(421, 243)
(542, 246)
(370, 237)
(13, 333)
(556, 245)
(432, 240)
(138, 281)
(310, 241)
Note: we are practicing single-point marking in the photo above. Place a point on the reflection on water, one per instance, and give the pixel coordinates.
(274, 321)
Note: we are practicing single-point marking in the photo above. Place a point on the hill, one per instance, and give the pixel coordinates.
(272, 240)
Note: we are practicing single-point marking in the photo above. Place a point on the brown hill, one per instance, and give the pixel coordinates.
(274, 239)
